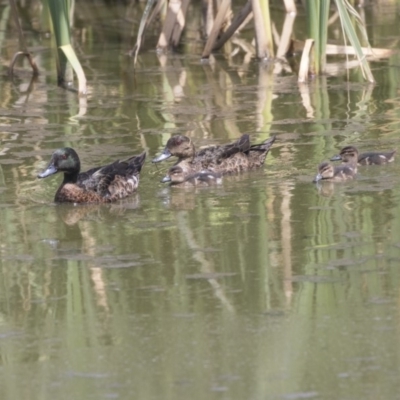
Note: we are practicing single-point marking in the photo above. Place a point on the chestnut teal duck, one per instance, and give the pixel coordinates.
(229, 158)
(97, 185)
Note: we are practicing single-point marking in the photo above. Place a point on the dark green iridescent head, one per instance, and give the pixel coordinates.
(63, 160)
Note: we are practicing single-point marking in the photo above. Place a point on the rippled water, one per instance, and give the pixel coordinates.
(267, 286)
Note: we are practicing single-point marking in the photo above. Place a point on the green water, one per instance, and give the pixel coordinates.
(265, 287)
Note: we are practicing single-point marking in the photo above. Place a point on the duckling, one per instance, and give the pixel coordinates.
(177, 176)
(234, 157)
(368, 158)
(327, 172)
(97, 185)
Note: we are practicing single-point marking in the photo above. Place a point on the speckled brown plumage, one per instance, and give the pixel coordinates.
(368, 158)
(327, 172)
(234, 157)
(98, 185)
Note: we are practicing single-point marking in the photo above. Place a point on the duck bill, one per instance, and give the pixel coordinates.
(163, 156)
(317, 178)
(50, 170)
(336, 158)
(166, 179)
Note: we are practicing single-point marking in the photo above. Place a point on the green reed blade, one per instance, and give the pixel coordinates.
(317, 16)
(265, 8)
(323, 31)
(69, 52)
(312, 12)
(60, 17)
(142, 26)
(345, 9)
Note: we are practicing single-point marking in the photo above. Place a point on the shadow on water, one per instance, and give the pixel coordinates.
(267, 286)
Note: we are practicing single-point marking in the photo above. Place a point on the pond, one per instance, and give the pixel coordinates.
(266, 286)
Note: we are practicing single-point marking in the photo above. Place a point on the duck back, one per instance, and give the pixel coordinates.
(375, 158)
(104, 184)
(237, 157)
(258, 152)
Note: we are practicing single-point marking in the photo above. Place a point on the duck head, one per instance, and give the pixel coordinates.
(179, 146)
(175, 175)
(63, 160)
(347, 154)
(325, 171)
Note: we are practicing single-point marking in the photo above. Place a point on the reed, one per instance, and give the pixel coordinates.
(346, 11)
(318, 17)
(263, 29)
(60, 11)
(144, 21)
(317, 11)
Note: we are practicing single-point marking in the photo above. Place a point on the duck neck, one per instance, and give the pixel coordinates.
(186, 159)
(70, 177)
(187, 154)
(352, 161)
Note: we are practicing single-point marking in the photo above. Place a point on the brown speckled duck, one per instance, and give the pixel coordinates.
(233, 157)
(368, 158)
(98, 185)
(176, 175)
(327, 172)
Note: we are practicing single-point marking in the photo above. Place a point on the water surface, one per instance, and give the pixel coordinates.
(264, 287)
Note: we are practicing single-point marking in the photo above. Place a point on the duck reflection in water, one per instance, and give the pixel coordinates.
(71, 215)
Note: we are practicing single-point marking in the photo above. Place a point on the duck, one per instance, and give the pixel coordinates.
(328, 172)
(176, 175)
(229, 158)
(97, 185)
(369, 158)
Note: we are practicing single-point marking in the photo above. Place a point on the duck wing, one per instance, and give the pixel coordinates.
(99, 179)
(257, 152)
(264, 146)
(85, 179)
(378, 158)
(216, 154)
(240, 146)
